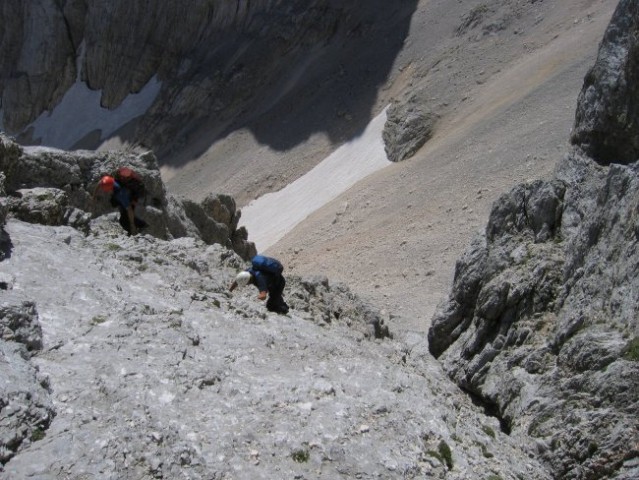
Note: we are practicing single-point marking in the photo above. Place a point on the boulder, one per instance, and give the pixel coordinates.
(408, 127)
(46, 206)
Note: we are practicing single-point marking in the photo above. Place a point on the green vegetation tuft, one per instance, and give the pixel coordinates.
(301, 455)
(113, 247)
(98, 319)
(488, 431)
(37, 434)
(631, 351)
(434, 454)
(485, 452)
(446, 454)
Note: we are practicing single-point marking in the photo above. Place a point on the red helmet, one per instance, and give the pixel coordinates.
(106, 183)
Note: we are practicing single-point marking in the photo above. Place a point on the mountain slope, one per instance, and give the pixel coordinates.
(395, 237)
(154, 370)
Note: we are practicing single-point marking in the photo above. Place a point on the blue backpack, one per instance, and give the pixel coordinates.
(267, 264)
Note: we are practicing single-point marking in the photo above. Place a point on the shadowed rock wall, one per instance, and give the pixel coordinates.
(219, 63)
(607, 120)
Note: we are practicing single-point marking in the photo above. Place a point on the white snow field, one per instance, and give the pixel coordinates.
(80, 108)
(273, 215)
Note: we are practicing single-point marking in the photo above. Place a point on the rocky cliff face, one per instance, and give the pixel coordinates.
(217, 62)
(126, 357)
(541, 323)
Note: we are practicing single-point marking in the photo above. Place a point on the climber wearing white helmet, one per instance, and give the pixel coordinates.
(266, 274)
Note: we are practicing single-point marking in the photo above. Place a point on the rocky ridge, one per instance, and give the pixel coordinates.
(541, 322)
(55, 187)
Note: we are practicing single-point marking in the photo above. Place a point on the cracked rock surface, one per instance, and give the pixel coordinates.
(156, 371)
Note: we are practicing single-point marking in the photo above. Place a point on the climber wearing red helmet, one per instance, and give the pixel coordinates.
(107, 183)
(125, 199)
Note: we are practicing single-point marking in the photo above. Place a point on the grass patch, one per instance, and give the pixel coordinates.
(631, 350)
(485, 452)
(434, 454)
(446, 454)
(443, 454)
(37, 434)
(113, 247)
(488, 431)
(98, 319)
(301, 455)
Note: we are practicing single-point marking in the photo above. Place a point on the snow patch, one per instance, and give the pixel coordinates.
(273, 215)
(79, 113)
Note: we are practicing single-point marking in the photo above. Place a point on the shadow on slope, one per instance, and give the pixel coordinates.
(285, 93)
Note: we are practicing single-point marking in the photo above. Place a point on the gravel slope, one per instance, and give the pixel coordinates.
(503, 77)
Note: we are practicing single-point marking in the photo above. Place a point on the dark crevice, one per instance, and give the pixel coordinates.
(6, 246)
(491, 409)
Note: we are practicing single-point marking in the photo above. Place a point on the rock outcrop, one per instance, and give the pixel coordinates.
(25, 403)
(607, 121)
(542, 321)
(127, 356)
(54, 187)
(4, 241)
(408, 127)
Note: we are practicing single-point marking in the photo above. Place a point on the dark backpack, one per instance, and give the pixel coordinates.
(267, 264)
(132, 181)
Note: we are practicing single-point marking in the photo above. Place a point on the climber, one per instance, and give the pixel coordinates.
(266, 274)
(126, 199)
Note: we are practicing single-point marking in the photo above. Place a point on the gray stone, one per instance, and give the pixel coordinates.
(158, 371)
(607, 120)
(408, 127)
(26, 409)
(88, 40)
(19, 323)
(46, 206)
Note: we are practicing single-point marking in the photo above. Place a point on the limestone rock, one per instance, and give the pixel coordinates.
(534, 322)
(156, 370)
(607, 120)
(26, 409)
(46, 206)
(212, 61)
(408, 127)
(35, 46)
(3, 205)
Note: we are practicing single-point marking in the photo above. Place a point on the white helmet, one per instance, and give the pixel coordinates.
(243, 278)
